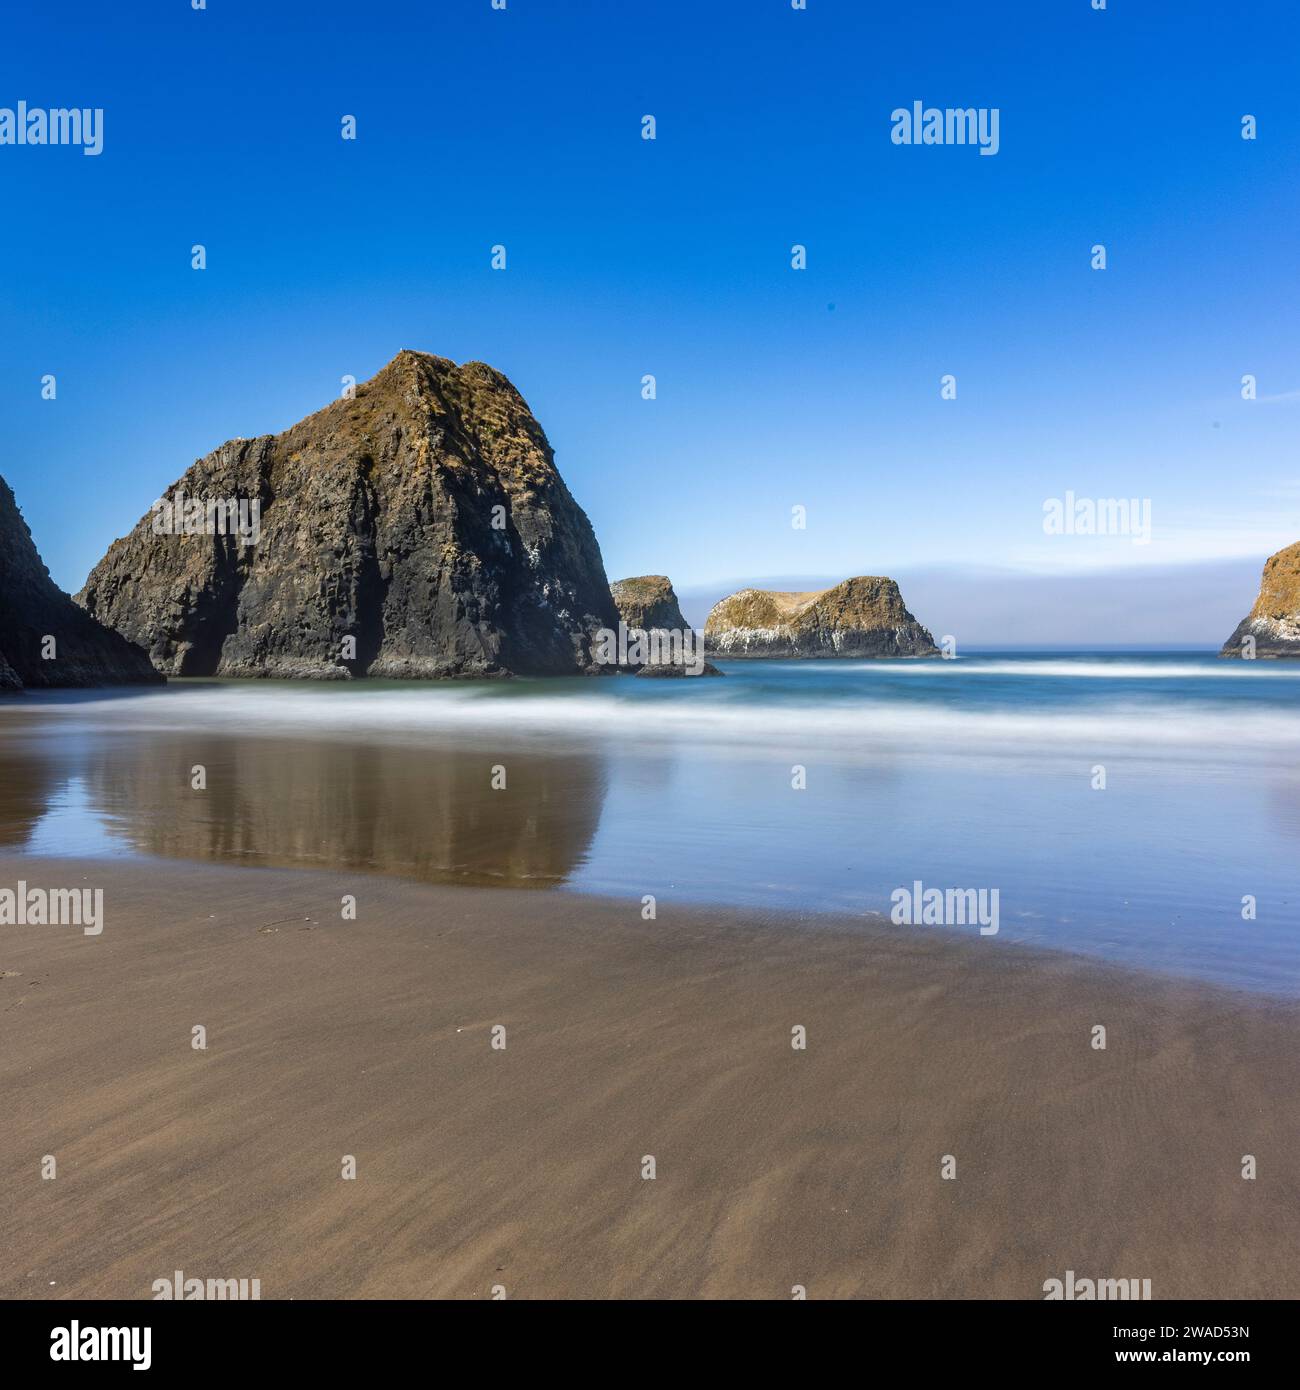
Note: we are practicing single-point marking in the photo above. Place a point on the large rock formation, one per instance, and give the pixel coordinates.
(424, 520)
(1274, 622)
(45, 639)
(862, 617)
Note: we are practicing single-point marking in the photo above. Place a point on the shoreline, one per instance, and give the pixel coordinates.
(523, 1166)
(721, 915)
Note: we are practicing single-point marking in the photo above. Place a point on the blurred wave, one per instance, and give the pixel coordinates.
(850, 709)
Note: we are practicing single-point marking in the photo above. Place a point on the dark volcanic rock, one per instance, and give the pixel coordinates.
(424, 519)
(34, 609)
(676, 668)
(1274, 621)
(862, 617)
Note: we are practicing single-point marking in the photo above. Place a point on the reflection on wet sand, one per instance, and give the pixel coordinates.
(28, 783)
(431, 815)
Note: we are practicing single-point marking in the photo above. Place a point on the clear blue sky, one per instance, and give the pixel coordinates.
(776, 387)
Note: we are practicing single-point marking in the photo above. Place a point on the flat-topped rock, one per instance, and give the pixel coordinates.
(648, 601)
(862, 617)
(648, 604)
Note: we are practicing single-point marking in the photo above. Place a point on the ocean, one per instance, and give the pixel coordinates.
(1140, 808)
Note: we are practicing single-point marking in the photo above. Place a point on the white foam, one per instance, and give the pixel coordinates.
(963, 667)
(614, 717)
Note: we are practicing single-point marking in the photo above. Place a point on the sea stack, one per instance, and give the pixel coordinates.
(418, 529)
(648, 601)
(45, 639)
(862, 617)
(1272, 628)
(648, 604)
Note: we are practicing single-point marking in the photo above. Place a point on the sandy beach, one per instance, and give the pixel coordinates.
(522, 1167)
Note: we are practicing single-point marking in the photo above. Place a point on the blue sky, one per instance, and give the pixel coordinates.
(775, 387)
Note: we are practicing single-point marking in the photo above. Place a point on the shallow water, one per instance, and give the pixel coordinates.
(975, 773)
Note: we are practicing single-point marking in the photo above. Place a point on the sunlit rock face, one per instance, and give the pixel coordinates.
(862, 617)
(648, 604)
(648, 601)
(1272, 627)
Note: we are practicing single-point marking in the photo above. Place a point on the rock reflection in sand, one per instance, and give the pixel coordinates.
(426, 814)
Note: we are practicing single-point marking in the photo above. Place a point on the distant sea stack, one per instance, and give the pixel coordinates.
(862, 617)
(45, 639)
(419, 529)
(649, 604)
(648, 601)
(1273, 625)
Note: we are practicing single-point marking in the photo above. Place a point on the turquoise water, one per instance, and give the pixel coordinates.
(976, 773)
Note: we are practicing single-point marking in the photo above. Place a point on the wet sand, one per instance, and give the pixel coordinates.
(522, 1167)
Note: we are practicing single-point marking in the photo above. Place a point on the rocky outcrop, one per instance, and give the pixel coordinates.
(45, 639)
(648, 602)
(660, 669)
(862, 617)
(1272, 627)
(420, 529)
